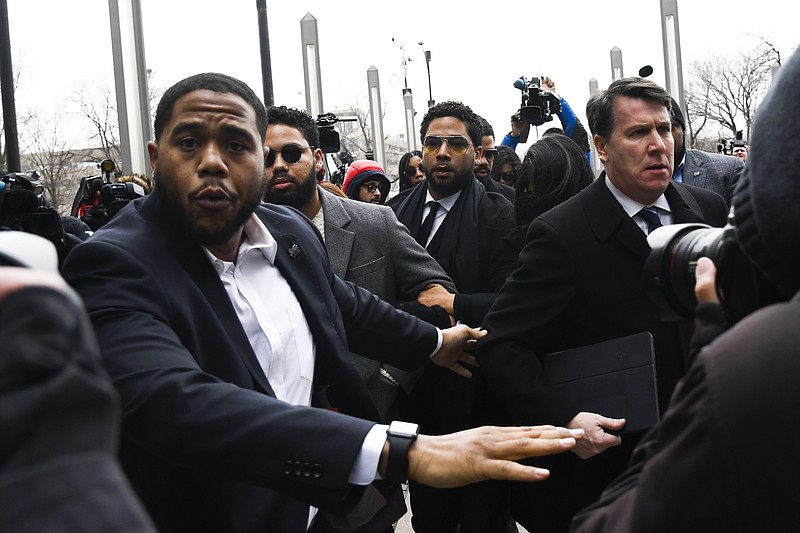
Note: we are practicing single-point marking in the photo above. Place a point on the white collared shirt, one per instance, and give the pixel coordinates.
(446, 204)
(632, 207)
(270, 314)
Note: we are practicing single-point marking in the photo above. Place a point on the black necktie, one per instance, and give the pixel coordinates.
(650, 216)
(427, 224)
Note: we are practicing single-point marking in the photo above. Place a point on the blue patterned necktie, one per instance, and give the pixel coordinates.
(650, 216)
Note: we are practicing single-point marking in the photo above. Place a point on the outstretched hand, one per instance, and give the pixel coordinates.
(486, 452)
(454, 341)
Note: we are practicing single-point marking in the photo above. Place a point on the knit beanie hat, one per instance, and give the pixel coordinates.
(361, 171)
(677, 115)
(766, 204)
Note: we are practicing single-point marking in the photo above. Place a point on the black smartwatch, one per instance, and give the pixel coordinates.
(400, 436)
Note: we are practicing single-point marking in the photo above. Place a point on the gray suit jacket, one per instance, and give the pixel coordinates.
(368, 246)
(714, 172)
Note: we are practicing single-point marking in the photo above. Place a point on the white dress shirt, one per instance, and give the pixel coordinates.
(446, 205)
(632, 207)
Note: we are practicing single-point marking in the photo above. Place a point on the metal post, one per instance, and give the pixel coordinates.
(311, 69)
(133, 106)
(411, 136)
(376, 114)
(596, 163)
(7, 87)
(428, 64)
(616, 64)
(671, 37)
(266, 59)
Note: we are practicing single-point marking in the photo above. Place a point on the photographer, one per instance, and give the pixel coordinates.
(58, 431)
(571, 125)
(721, 459)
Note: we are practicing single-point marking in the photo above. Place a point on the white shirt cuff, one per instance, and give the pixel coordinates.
(365, 469)
(439, 341)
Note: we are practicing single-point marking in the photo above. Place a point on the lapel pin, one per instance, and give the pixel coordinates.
(294, 250)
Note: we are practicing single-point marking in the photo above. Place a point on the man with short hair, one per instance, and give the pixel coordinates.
(366, 244)
(462, 226)
(485, 162)
(220, 324)
(580, 281)
(715, 172)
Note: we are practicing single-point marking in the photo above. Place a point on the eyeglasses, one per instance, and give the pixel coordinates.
(457, 144)
(371, 187)
(290, 153)
(490, 154)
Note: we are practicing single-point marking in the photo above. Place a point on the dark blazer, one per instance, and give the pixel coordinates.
(714, 172)
(580, 282)
(368, 246)
(205, 443)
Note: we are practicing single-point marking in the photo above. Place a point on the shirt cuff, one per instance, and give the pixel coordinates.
(439, 342)
(365, 469)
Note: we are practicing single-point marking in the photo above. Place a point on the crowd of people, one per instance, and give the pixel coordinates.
(249, 347)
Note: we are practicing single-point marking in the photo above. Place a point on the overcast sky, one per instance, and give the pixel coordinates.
(478, 49)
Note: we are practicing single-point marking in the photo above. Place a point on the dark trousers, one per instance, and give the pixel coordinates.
(478, 508)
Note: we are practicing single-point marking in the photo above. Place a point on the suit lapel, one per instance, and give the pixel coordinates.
(199, 268)
(681, 212)
(338, 240)
(608, 219)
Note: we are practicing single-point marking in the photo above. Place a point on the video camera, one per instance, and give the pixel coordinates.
(670, 271)
(98, 198)
(24, 208)
(538, 105)
(328, 136)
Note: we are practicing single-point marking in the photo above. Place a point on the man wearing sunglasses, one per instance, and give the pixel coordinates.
(485, 163)
(365, 243)
(465, 236)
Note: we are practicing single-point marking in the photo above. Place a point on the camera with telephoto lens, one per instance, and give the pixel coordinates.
(98, 198)
(538, 105)
(669, 271)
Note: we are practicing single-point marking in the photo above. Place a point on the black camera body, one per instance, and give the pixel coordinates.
(669, 271)
(329, 141)
(538, 105)
(98, 198)
(23, 208)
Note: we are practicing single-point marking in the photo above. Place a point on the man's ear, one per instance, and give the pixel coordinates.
(600, 146)
(152, 149)
(319, 157)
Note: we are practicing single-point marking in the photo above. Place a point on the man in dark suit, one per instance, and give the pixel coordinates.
(220, 323)
(580, 282)
(366, 244)
(714, 172)
(465, 234)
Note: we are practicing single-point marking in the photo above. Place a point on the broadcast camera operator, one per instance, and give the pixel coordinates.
(23, 207)
(99, 198)
(571, 125)
(723, 457)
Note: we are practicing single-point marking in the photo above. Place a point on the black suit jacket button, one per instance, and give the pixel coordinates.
(288, 467)
(316, 471)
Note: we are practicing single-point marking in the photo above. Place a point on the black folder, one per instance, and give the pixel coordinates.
(615, 378)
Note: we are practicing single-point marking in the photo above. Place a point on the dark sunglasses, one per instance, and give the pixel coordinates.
(490, 154)
(457, 144)
(411, 171)
(290, 153)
